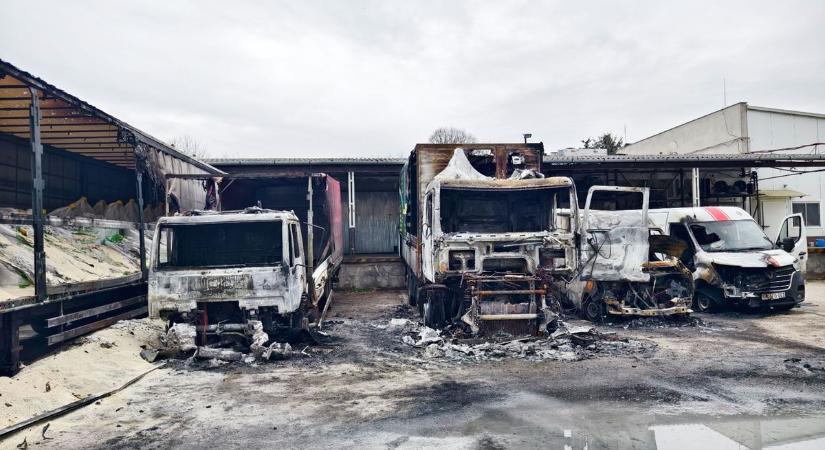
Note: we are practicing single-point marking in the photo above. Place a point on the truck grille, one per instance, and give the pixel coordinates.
(771, 279)
(779, 279)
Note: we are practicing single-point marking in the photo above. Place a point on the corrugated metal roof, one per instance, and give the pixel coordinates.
(730, 160)
(72, 124)
(303, 161)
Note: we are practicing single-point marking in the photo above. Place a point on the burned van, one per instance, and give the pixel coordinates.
(626, 267)
(733, 261)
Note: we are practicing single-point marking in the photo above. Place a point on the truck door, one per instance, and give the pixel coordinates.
(614, 239)
(793, 230)
(296, 277)
(427, 256)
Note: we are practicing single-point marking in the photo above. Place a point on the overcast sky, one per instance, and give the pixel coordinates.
(362, 78)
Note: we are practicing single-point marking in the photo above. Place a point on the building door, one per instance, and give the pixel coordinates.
(376, 222)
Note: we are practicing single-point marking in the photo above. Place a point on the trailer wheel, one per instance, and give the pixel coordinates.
(704, 303)
(594, 309)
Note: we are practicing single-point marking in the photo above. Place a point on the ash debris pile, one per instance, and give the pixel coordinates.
(180, 341)
(566, 343)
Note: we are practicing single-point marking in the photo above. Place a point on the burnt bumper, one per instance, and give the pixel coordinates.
(794, 294)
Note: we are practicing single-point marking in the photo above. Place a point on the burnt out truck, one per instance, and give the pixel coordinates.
(483, 234)
(230, 273)
(626, 266)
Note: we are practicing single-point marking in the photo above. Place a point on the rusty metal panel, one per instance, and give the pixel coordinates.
(334, 212)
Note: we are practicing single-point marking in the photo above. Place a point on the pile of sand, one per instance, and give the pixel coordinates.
(73, 254)
(95, 364)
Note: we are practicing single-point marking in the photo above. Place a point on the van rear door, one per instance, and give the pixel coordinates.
(793, 229)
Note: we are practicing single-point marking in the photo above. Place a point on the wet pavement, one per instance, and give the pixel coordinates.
(730, 380)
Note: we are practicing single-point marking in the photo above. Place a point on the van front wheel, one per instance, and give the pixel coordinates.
(705, 303)
(594, 309)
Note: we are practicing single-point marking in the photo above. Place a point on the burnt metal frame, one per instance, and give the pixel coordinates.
(37, 197)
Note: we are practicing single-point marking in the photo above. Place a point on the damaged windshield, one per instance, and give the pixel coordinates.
(730, 235)
(220, 244)
(500, 211)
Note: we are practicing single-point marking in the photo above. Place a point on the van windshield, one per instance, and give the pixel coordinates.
(227, 244)
(730, 235)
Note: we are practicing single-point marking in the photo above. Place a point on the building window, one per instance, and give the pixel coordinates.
(809, 211)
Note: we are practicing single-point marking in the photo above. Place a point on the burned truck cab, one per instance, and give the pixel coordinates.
(489, 247)
(223, 271)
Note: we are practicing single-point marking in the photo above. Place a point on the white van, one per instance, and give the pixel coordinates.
(734, 261)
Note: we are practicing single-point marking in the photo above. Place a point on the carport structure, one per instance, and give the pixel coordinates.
(56, 147)
(685, 179)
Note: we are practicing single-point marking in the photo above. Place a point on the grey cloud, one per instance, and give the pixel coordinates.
(374, 77)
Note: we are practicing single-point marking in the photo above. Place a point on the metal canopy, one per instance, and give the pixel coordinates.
(73, 125)
(688, 161)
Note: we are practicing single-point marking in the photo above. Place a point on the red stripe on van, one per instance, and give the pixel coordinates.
(717, 214)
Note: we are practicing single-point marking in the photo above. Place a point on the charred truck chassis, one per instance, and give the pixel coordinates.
(487, 248)
(667, 293)
(625, 269)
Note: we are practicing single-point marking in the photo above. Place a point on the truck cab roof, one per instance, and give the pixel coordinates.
(253, 214)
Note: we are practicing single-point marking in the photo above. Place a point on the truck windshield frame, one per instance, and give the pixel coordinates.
(469, 210)
(219, 245)
(730, 236)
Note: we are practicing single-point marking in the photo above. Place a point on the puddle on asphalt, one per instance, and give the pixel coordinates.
(530, 420)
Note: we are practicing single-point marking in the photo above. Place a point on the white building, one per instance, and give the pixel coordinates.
(742, 128)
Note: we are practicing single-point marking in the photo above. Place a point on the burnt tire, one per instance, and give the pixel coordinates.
(704, 303)
(412, 289)
(594, 310)
(433, 312)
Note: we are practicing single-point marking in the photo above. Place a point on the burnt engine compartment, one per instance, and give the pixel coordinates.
(667, 286)
(756, 279)
(226, 325)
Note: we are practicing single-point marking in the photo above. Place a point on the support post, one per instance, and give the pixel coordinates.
(310, 231)
(37, 197)
(695, 188)
(9, 343)
(141, 222)
(351, 210)
(217, 194)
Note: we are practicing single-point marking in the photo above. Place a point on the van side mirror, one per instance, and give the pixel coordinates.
(788, 244)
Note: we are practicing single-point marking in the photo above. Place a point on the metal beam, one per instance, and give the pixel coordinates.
(37, 198)
(86, 313)
(141, 226)
(79, 331)
(694, 178)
